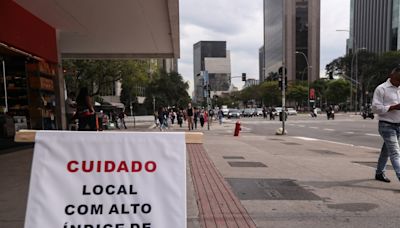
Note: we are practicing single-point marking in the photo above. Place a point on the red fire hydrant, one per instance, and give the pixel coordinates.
(237, 128)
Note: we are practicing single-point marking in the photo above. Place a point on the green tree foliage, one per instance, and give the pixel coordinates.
(134, 84)
(320, 87)
(97, 75)
(373, 69)
(168, 89)
(231, 100)
(337, 90)
(271, 95)
(298, 93)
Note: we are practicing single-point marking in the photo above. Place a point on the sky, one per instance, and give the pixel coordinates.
(240, 24)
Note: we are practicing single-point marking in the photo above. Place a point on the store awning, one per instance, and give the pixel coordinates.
(112, 29)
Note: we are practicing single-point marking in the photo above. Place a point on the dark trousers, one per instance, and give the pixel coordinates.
(87, 123)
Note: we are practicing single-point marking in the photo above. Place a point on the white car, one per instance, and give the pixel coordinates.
(291, 112)
(278, 110)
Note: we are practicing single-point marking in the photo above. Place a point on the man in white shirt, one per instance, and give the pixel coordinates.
(386, 103)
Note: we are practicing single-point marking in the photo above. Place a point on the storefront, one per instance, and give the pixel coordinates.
(28, 60)
(36, 35)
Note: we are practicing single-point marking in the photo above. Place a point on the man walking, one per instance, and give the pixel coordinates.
(386, 103)
(190, 113)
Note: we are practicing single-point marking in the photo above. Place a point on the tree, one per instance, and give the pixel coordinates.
(271, 95)
(337, 91)
(250, 93)
(98, 75)
(320, 87)
(298, 93)
(168, 89)
(131, 84)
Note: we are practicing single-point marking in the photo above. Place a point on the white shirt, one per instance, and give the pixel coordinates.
(386, 95)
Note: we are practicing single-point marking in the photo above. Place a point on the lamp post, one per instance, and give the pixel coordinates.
(308, 78)
(351, 73)
(356, 77)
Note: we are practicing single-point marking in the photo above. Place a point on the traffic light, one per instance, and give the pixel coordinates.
(280, 71)
(243, 77)
(281, 84)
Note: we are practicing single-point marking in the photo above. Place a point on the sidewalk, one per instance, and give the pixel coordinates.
(284, 181)
(279, 181)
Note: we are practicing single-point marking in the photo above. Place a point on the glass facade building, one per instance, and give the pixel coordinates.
(302, 34)
(374, 25)
(214, 54)
(394, 43)
(273, 40)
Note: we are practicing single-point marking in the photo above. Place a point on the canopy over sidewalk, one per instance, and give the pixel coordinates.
(104, 29)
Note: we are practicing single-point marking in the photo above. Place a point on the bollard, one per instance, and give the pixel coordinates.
(237, 128)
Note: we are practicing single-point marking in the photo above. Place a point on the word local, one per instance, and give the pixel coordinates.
(109, 190)
(111, 166)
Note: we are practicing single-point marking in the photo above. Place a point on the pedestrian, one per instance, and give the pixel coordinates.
(121, 117)
(180, 118)
(70, 109)
(85, 111)
(114, 118)
(386, 103)
(264, 111)
(211, 117)
(195, 117)
(189, 114)
(271, 112)
(314, 113)
(202, 119)
(161, 118)
(173, 115)
(220, 116)
(100, 119)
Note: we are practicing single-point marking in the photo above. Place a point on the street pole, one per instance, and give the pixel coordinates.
(283, 68)
(351, 72)
(308, 79)
(5, 87)
(154, 104)
(208, 101)
(356, 77)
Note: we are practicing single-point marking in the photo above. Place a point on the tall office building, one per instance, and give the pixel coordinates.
(211, 56)
(302, 34)
(374, 25)
(261, 64)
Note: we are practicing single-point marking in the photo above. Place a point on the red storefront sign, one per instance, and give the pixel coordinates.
(22, 30)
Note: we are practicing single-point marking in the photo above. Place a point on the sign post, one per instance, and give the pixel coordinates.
(107, 180)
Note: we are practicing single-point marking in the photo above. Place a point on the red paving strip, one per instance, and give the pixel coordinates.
(218, 206)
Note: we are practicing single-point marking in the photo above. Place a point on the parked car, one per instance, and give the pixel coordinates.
(278, 110)
(258, 112)
(291, 112)
(234, 113)
(248, 112)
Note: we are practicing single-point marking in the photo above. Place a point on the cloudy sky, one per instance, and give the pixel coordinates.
(240, 23)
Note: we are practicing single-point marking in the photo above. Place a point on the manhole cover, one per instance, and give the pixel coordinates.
(269, 189)
(325, 152)
(247, 164)
(277, 139)
(233, 157)
(291, 143)
(372, 164)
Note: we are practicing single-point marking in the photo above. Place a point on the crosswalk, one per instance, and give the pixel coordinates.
(314, 128)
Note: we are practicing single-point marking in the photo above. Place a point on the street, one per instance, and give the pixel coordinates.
(321, 174)
(346, 128)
